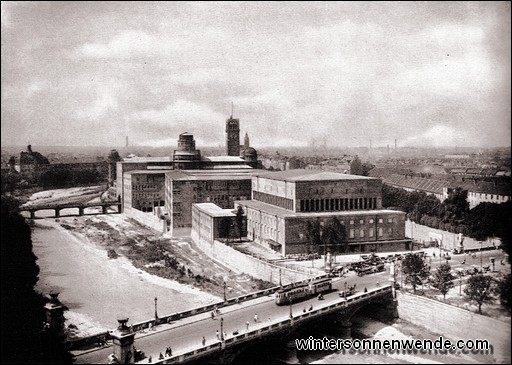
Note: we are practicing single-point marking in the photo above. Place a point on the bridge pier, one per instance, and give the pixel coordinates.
(104, 209)
(32, 214)
(80, 211)
(57, 212)
(123, 340)
(345, 328)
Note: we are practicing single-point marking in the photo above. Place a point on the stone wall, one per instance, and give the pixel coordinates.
(148, 219)
(422, 233)
(250, 265)
(456, 323)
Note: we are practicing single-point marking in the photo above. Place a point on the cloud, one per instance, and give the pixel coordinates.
(104, 103)
(180, 111)
(439, 136)
(127, 44)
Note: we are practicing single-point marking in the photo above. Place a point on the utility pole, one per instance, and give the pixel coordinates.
(156, 313)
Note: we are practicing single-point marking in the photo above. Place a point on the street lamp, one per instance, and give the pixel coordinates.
(280, 283)
(460, 282)
(222, 329)
(290, 300)
(156, 314)
(481, 265)
(224, 286)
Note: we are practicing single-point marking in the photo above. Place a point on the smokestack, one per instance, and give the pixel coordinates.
(395, 145)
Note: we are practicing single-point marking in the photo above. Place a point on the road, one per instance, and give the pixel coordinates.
(234, 318)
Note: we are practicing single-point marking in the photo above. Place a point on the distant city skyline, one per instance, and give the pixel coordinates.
(349, 74)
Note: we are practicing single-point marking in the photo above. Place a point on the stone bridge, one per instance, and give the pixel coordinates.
(79, 206)
(238, 331)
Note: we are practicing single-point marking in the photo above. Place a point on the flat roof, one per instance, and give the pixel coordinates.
(285, 213)
(214, 210)
(146, 172)
(223, 159)
(146, 159)
(310, 175)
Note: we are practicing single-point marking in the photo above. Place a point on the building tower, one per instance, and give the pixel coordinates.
(246, 141)
(186, 156)
(232, 135)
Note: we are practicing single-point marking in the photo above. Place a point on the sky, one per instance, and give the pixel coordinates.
(347, 74)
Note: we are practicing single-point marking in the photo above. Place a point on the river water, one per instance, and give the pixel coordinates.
(98, 290)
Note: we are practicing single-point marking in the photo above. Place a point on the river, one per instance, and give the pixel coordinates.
(97, 290)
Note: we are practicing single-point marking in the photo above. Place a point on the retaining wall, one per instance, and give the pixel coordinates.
(456, 323)
(423, 233)
(251, 265)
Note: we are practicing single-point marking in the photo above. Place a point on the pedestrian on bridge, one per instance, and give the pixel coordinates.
(247, 325)
(204, 341)
(255, 318)
(218, 337)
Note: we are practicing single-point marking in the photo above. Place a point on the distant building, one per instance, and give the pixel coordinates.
(167, 187)
(233, 136)
(32, 164)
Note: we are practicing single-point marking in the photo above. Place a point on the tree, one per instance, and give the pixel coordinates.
(240, 222)
(415, 270)
(479, 288)
(313, 235)
(225, 227)
(334, 234)
(22, 310)
(503, 290)
(443, 279)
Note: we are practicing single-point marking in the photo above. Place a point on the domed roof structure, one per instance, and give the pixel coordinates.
(249, 151)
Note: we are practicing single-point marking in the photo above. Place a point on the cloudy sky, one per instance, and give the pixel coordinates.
(91, 73)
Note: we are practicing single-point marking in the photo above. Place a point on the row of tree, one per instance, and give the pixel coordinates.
(453, 214)
(24, 340)
(479, 288)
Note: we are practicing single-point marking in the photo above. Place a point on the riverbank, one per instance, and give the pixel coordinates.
(97, 290)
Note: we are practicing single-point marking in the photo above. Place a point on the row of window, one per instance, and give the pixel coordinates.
(338, 204)
(371, 232)
(278, 201)
(145, 195)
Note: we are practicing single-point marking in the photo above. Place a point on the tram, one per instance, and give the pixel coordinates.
(297, 292)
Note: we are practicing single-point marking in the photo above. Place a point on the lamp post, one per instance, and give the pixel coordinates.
(481, 265)
(345, 294)
(224, 286)
(289, 300)
(222, 329)
(156, 313)
(460, 283)
(280, 282)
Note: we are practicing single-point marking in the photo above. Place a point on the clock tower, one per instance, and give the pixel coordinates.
(233, 136)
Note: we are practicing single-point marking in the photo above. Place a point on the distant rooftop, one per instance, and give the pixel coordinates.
(310, 175)
(223, 159)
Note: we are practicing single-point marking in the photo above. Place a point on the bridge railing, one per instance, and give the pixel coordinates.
(143, 325)
(199, 350)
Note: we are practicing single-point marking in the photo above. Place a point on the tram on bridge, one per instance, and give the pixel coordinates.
(293, 293)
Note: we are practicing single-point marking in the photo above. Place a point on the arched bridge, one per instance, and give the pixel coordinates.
(200, 337)
(79, 206)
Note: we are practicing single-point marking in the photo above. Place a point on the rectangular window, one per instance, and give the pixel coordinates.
(361, 233)
(380, 220)
(380, 232)
(390, 220)
(351, 232)
(351, 221)
(361, 221)
(370, 232)
(371, 220)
